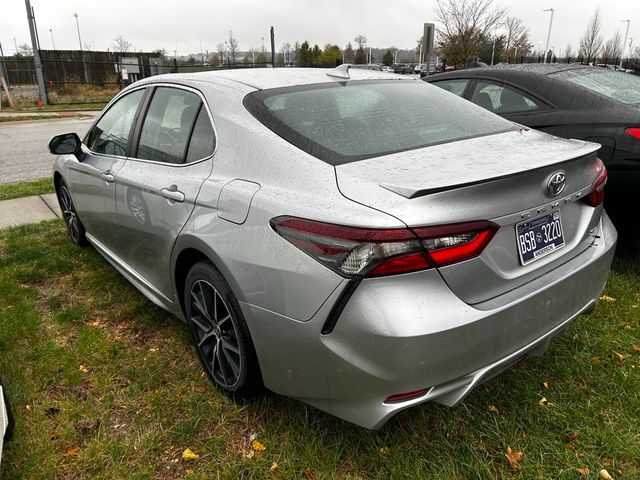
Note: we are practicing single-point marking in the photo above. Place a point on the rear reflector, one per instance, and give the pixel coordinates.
(634, 132)
(596, 194)
(403, 397)
(354, 251)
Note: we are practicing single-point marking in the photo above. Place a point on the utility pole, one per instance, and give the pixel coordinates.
(52, 41)
(273, 48)
(546, 48)
(78, 28)
(624, 44)
(36, 54)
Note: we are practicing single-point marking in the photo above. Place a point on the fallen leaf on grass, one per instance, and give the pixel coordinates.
(70, 451)
(274, 465)
(570, 437)
(583, 470)
(604, 475)
(494, 409)
(53, 435)
(308, 473)
(248, 454)
(257, 446)
(383, 450)
(86, 425)
(545, 384)
(636, 348)
(575, 450)
(514, 458)
(607, 298)
(621, 356)
(189, 454)
(595, 361)
(545, 403)
(83, 369)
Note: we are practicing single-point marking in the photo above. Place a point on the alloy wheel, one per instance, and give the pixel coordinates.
(216, 334)
(69, 214)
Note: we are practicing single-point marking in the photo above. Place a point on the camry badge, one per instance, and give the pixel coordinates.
(556, 183)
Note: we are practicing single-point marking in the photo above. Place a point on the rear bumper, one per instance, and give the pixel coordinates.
(410, 332)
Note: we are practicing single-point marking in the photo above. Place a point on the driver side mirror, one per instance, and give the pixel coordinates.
(66, 144)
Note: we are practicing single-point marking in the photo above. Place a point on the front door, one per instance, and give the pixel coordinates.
(92, 180)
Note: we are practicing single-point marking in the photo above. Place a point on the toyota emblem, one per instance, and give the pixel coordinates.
(556, 184)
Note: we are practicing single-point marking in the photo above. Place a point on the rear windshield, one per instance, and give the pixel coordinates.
(620, 86)
(346, 121)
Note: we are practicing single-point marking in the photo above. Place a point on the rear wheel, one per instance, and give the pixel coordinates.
(75, 229)
(220, 333)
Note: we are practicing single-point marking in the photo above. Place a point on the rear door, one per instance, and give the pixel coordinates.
(92, 180)
(157, 188)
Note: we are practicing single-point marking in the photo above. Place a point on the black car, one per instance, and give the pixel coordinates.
(568, 100)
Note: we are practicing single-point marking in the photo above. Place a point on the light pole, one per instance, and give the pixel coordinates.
(624, 44)
(546, 48)
(493, 50)
(78, 27)
(52, 41)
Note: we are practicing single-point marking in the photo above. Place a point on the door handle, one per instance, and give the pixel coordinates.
(107, 176)
(172, 193)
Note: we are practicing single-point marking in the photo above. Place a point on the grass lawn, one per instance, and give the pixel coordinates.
(30, 118)
(25, 189)
(105, 385)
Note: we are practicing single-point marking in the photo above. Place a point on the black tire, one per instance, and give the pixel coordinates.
(75, 228)
(219, 332)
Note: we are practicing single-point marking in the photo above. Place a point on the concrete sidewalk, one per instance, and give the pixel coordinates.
(35, 209)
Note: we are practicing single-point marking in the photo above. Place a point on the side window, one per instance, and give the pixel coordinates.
(456, 86)
(502, 99)
(111, 133)
(167, 125)
(202, 143)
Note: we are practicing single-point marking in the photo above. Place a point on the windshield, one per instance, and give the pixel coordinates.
(348, 121)
(620, 86)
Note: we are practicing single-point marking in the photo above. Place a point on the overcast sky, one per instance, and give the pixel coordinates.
(181, 25)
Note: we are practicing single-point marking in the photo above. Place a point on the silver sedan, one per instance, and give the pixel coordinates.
(357, 240)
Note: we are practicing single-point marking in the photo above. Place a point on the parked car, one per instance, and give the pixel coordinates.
(387, 69)
(402, 68)
(6, 419)
(571, 101)
(321, 239)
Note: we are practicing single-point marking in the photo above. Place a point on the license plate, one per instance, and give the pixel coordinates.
(539, 237)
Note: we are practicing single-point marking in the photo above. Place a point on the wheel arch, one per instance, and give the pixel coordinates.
(190, 250)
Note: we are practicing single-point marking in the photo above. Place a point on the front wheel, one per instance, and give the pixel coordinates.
(220, 333)
(75, 228)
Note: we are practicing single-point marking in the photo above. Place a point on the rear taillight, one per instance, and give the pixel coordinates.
(596, 194)
(353, 251)
(633, 131)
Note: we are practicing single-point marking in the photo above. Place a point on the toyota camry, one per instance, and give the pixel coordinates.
(357, 240)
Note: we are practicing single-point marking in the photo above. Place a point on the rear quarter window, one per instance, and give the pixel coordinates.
(619, 86)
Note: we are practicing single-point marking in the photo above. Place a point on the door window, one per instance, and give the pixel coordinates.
(111, 133)
(502, 99)
(168, 125)
(456, 87)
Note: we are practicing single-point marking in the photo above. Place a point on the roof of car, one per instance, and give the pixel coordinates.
(264, 78)
(527, 68)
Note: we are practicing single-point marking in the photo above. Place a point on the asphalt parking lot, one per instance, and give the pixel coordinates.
(23, 146)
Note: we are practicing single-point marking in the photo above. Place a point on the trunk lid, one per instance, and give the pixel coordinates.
(502, 178)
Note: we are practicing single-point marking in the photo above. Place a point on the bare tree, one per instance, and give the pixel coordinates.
(466, 24)
(233, 46)
(636, 53)
(613, 47)
(222, 52)
(361, 40)
(515, 30)
(121, 45)
(591, 41)
(568, 51)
